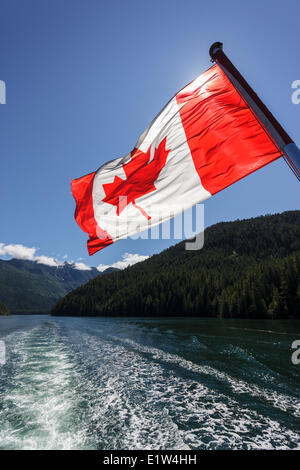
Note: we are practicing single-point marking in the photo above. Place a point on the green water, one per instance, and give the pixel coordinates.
(95, 383)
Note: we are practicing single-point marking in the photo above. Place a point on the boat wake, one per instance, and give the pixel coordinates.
(89, 385)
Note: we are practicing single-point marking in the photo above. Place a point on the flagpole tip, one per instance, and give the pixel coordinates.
(214, 48)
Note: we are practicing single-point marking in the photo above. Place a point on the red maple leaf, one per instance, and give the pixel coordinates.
(140, 178)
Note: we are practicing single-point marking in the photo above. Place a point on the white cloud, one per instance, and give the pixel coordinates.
(47, 260)
(27, 253)
(82, 267)
(128, 259)
(17, 251)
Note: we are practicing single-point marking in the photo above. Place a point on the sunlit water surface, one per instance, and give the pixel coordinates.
(96, 383)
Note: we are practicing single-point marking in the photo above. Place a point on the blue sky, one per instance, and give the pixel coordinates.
(85, 77)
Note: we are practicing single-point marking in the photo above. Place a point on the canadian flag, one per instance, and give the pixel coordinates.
(206, 138)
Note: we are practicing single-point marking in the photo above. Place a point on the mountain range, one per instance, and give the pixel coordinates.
(246, 269)
(31, 287)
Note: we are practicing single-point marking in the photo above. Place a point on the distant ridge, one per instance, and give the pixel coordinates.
(31, 287)
(247, 269)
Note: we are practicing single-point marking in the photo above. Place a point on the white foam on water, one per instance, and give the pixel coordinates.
(138, 403)
(38, 401)
(69, 389)
(276, 399)
(121, 416)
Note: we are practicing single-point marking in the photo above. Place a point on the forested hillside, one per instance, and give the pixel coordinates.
(31, 287)
(247, 268)
(4, 310)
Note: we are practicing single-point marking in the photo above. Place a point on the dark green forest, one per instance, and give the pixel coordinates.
(247, 269)
(4, 310)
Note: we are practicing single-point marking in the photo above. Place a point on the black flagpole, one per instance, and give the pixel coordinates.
(282, 140)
